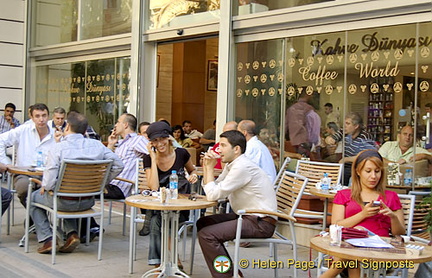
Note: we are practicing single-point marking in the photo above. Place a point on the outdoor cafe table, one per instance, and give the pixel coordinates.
(326, 194)
(170, 215)
(19, 170)
(368, 255)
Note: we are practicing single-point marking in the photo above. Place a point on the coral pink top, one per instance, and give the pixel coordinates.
(379, 224)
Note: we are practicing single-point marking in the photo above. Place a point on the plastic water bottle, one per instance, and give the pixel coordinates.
(408, 177)
(325, 182)
(173, 184)
(39, 159)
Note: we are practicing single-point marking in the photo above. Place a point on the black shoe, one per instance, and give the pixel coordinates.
(145, 231)
(94, 232)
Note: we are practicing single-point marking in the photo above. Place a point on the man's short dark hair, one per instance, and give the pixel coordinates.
(10, 105)
(131, 120)
(235, 138)
(77, 122)
(38, 106)
(429, 105)
(328, 104)
(186, 122)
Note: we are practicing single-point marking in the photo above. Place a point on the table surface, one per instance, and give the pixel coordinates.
(322, 244)
(24, 170)
(409, 187)
(321, 193)
(182, 203)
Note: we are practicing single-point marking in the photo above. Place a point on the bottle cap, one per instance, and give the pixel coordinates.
(174, 172)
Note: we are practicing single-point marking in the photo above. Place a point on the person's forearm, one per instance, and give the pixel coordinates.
(397, 228)
(208, 174)
(350, 221)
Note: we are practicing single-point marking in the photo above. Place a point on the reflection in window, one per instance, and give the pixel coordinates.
(99, 89)
(165, 13)
(259, 89)
(257, 6)
(61, 21)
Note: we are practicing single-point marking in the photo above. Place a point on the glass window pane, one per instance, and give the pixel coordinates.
(174, 13)
(55, 22)
(314, 95)
(259, 90)
(242, 7)
(99, 89)
(105, 18)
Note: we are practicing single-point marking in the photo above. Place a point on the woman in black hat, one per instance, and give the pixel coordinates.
(161, 160)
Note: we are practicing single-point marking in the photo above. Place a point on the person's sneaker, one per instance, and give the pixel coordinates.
(71, 243)
(245, 244)
(94, 232)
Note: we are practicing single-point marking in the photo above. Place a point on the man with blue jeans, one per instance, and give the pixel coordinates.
(72, 146)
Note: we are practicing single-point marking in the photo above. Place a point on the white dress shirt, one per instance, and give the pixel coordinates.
(260, 154)
(245, 184)
(27, 143)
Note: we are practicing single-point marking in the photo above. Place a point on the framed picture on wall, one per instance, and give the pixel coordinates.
(212, 75)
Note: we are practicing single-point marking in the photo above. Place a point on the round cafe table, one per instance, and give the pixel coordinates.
(326, 194)
(20, 170)
(322, 244)
(170, 218)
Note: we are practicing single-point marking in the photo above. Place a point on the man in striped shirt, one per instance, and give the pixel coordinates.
(128, 149)
(7, 121)
(356, 140)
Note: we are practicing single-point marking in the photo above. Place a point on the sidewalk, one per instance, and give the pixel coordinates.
(83, 261)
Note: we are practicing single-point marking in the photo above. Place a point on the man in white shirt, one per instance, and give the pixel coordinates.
(28, 139)
(58, 121)
(246, 186)
(402, 151)
(73, 146)
(189, 132)
(256, 150)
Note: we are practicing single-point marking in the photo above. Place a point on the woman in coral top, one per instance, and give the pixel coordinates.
(354, 207)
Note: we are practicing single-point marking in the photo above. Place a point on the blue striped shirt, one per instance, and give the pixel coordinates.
(353, 146)
(5, 125)
(129, 149)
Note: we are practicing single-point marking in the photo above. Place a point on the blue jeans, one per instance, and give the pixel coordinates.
(154, 256)
(40, 218)
(6, 198)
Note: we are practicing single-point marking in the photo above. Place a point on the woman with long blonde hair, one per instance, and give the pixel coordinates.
(355, 207)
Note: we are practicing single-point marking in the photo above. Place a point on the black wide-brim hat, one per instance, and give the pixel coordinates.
(157, 130)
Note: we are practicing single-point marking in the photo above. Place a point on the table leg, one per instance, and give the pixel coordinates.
(325, 214)
(168, 267)
(132, 235)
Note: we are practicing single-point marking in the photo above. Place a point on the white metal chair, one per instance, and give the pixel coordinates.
(288, 194)
(314, 171)
(77, 178)
(110, 201)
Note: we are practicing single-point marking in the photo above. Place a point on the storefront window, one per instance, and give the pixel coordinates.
(350, 91)
(63, 21)
(259, 90)
(242, 7)
(99, 89)
(174, 13)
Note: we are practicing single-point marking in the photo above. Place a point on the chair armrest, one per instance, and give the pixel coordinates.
(277, 214)
(125, 180)
(35, 181)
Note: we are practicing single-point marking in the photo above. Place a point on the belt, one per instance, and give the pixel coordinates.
(268, 219)
(75, 198)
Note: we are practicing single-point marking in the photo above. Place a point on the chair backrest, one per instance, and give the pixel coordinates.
(282, 170)
(419, 224)
(314, 171)
(81, 178)
(193, 155)
(408, 205)
(140, 177)
(289, 192)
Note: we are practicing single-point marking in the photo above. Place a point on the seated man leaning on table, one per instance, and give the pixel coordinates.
(247, 187)
(402, 151)
(73, 146)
